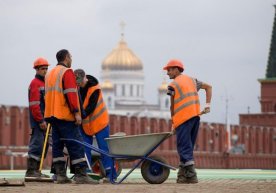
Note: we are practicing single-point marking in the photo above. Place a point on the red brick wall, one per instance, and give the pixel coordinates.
(264, 119)
(259, 141)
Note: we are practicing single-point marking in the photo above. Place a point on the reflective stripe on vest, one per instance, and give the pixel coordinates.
(186, 105)
(55, 101)
(186, 100)
(56, 86)
(93, 117)
(182, 97)
(97, 120)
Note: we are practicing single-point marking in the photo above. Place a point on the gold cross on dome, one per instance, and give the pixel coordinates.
(122, 24)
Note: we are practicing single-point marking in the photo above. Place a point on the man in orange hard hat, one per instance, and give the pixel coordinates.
(37, 122)
(185, 112)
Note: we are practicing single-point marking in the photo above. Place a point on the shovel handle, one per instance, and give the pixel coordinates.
(44, 146)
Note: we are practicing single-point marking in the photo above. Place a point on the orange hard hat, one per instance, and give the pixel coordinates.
(41, 62)
(174, 63)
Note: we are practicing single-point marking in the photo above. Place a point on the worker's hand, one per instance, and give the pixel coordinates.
(43, 125)
(173, 130)
(78, 119)
(206, 109)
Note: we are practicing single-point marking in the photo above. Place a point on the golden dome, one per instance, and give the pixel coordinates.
(106, 85)
(122, 58)
(163, 87)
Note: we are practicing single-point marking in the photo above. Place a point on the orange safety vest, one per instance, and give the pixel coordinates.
(55, 101)
(97, 120)
(186, 100)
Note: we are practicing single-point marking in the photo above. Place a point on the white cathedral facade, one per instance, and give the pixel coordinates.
(122, 80)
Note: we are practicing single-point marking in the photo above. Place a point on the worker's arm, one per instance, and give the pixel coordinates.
(70, 90)
(208, 91)
(34, 102)
(71, 94)
(171, 93)
(172, 106)
(83, 114)
(172, 112)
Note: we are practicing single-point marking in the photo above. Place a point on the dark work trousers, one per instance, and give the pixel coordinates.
(186, 135)
(67, 130)
(102, 144)
(36, 143)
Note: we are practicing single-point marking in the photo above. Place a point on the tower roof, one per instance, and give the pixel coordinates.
(271, 65)
(122, 58)
(163, 87)
(107, 85)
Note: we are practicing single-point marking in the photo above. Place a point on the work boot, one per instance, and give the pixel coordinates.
(190, 174)
(181, 175)
(61, 177)
(32, 166)
(81, 176)
(110, 176)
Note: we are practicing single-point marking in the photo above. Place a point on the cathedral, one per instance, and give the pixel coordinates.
(123, 85)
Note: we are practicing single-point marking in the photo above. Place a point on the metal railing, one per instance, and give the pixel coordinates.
(14, 151)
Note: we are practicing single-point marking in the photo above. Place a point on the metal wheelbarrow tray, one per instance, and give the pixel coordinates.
(134, 145)
(154, 169)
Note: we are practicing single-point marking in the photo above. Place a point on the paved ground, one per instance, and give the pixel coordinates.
(226, 181)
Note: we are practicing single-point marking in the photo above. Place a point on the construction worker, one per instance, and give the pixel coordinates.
(37, 122)
(185, 112)
(63, 112)
(95, 118)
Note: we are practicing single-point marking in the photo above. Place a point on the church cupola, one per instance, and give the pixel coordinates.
(125, 70)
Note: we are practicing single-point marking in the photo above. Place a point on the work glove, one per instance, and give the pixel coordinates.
(206, 109)
(172, 129)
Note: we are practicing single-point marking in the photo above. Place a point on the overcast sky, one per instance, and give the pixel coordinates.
(222, 42)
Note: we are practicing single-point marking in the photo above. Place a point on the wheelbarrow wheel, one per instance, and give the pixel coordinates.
(155, 173)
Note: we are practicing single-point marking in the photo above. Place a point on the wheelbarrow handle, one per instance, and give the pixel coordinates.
(171, 133)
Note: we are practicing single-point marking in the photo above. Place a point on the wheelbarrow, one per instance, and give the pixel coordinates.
(154, 169)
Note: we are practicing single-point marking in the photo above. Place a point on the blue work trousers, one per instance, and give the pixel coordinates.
(36, 143)
(102, 144)
(186, 135)
(67, 130)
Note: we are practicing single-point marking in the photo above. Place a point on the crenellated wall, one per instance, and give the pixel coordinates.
(210, 151)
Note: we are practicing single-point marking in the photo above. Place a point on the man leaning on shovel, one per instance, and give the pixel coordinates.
(37, 122)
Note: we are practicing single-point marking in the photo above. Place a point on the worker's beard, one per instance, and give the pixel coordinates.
(172, 77)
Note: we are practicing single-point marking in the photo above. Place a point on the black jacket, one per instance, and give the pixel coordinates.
(92, 81)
